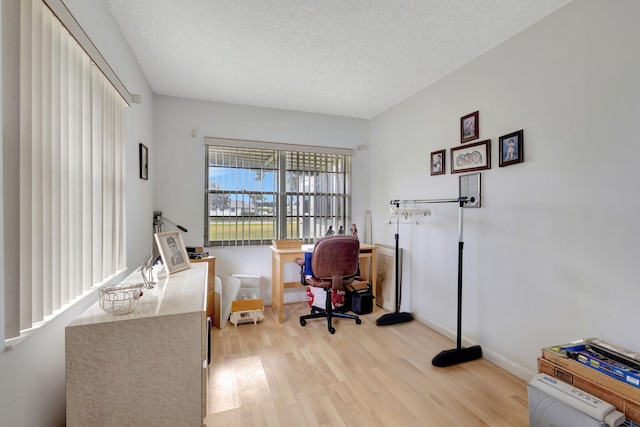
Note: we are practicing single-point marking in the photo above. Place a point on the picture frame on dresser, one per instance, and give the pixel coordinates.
(172, 251)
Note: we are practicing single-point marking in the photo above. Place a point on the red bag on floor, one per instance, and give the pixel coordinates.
(317, 297)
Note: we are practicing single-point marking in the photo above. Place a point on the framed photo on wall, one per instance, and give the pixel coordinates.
(438, 162)
(511, 148)
(172, 250)
(144, 161)
(470, 127)
(471, 157)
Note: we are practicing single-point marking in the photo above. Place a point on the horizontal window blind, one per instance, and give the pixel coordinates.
(258, 194)
(242, 195)
(317, 194)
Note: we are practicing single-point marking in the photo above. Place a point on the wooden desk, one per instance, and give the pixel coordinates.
(279, 257)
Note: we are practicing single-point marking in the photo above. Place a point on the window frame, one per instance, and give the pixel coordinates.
(310, 225)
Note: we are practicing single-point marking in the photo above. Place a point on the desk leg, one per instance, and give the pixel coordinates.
(374, 272)
(274, 282)
(281, 290)
(277, 285)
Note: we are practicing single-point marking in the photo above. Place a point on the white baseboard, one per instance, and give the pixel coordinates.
(488, 354)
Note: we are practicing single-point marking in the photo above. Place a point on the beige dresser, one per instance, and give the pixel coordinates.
(146, 368)
(213, 298)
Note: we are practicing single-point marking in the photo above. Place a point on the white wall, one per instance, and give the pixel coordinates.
(32, 387)
(550, 257)
(179, 166)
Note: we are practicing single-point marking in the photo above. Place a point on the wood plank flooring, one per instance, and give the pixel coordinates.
(273, 374)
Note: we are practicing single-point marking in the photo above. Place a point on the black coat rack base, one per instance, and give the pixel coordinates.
(393, 318)
(456, 355)
(397, 316)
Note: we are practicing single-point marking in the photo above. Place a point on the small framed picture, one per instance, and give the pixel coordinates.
(438, 163)
(469, 187)
(511, 148)
(471, 157)
(469, 127)
(172, 250)
(144, 161)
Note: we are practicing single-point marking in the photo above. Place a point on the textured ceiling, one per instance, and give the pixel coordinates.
(354, 58)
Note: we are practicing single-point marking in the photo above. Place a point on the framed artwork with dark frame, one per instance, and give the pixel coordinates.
(512, 148)
(469, 127)
(438, 162)
(172, 250)
(471, 157)
(144, 161)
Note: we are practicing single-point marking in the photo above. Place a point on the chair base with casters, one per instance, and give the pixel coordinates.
(317, 313)
(332, 265)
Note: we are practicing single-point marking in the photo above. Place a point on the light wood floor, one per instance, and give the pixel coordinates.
(273, 374)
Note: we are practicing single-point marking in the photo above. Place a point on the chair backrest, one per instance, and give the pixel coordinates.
(335, 256)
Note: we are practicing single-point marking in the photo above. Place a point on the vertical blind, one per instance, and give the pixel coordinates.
(71, 172)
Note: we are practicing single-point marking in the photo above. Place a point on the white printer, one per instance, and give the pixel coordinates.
(553, 403)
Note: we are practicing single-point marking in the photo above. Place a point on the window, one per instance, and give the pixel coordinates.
(258, 192)
(70, 182)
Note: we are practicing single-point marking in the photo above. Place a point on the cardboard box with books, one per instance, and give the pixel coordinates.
(562, 362)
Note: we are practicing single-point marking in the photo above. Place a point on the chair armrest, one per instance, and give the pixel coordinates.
(300, 262)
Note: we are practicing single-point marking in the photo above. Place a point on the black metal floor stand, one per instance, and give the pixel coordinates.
(447, 357)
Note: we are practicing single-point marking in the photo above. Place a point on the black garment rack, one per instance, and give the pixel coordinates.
(458, 354)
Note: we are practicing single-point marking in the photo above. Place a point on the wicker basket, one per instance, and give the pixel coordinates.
(120, 299)
(287, 244)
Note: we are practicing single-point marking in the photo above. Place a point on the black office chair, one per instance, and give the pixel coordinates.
(334, 264)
